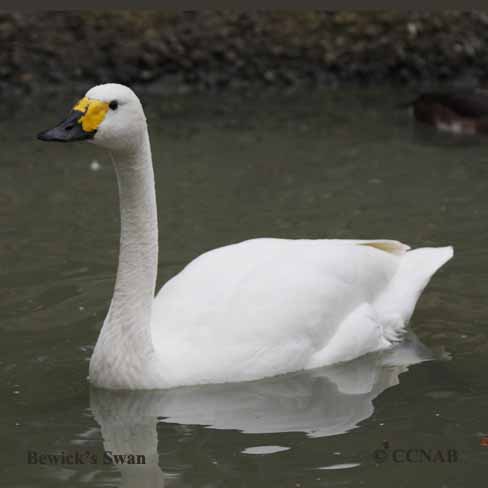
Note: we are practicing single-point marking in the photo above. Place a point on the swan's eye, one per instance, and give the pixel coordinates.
(113, 105)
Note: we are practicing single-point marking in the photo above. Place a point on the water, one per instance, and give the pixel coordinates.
(342, 164)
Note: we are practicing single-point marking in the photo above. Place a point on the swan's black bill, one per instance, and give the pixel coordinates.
(67, 131)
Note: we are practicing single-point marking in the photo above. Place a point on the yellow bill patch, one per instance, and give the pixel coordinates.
(94, 112)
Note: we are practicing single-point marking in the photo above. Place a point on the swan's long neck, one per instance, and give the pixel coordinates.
(125, 346)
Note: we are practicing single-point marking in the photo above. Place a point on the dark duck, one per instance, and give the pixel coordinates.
(457, 112)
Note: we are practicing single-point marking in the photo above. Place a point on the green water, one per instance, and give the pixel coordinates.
(338, 164)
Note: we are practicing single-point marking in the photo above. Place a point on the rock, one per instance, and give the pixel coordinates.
(212, 49)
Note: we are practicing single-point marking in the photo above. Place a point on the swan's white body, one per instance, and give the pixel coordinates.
(269, 306)
(259, 308)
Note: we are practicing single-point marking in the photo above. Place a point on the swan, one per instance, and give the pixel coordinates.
(242, 312)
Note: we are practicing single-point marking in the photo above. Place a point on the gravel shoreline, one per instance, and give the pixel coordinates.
(214, 49)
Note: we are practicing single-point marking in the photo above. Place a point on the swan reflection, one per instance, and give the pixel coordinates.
(322, 402)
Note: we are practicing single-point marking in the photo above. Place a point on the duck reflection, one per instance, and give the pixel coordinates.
(322, 402)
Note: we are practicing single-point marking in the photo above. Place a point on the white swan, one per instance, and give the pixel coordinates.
(258, 308)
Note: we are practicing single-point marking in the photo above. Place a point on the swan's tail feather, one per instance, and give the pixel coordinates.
(393, 328)
(416, 269)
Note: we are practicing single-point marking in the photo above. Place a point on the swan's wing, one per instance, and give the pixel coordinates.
(268, 306)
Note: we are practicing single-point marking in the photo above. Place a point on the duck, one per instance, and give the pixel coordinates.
(249, 310)
(455, 111)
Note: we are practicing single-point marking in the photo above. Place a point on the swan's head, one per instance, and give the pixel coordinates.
(108, 115)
